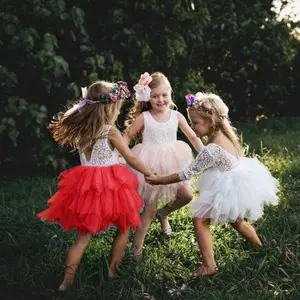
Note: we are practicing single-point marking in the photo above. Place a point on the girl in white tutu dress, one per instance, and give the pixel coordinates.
(232, 187)
(160, 150)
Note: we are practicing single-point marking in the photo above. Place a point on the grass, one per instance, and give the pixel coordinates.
(32, 252)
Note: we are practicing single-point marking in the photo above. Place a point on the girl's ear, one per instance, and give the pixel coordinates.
(210, 123)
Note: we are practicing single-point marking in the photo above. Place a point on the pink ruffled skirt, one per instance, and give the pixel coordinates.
(163, 159)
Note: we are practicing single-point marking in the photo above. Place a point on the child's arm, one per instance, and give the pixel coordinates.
(204, 160)
(189, 133)
(134, 128)
(118, 142)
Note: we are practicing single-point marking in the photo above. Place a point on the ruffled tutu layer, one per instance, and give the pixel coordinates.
(92, 199)
(164, 159)
(238, 193)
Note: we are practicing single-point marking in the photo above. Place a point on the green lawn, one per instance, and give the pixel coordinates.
(32, 253)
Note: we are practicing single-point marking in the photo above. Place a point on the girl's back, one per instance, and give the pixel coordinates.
(101, 153)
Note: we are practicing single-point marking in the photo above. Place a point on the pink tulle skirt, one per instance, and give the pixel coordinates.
(92, 199)
(163, 159)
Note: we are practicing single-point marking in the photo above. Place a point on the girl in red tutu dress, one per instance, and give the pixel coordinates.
(100, 192)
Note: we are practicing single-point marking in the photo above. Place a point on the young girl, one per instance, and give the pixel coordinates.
(231, 187)
(100, 192)
(160, 150)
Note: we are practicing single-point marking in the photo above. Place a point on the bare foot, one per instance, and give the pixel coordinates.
(204, 270)
(137, 253)
(111, 273)
(64, 286)
(112, 270)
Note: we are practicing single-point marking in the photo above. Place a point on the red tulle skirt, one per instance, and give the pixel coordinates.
(93, 198)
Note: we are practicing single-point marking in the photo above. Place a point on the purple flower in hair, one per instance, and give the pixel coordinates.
(190, 99)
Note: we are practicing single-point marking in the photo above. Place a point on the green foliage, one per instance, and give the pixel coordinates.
(32, 252)
(50, 48)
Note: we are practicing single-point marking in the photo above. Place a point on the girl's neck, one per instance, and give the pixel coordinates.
(224, 142)
(218, 136)
(161, 117)
(160, 113)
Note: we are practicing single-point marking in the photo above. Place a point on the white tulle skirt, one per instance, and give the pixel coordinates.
(163, 159)
(238, 193)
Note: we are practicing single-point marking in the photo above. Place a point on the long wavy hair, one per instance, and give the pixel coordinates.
(81, 129)
(139, 107)
(211, 106)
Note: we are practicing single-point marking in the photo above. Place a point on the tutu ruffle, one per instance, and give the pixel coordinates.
(163, 159)
(93, 198)
(238, 193)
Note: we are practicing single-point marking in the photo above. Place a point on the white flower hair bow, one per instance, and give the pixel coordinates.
(142, 90)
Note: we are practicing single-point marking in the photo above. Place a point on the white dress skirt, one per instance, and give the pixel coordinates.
(230, 187)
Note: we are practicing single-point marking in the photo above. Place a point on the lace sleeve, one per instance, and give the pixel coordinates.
(206, 159)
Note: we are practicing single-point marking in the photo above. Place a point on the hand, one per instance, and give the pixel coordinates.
(154, 179)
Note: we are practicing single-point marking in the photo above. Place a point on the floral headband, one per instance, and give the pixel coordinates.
(118, 92)
(142, 90)
(193, 101)
(196, 102)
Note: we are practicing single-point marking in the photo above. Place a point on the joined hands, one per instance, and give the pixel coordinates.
(154, 179)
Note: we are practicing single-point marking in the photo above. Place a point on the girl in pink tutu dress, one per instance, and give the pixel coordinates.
(100, 192)
(160, 150)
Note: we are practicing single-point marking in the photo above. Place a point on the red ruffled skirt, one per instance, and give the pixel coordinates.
(92, 199)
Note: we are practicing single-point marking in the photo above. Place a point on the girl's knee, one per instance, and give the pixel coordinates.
(151, 209)
(200, 222)
(185, 193)
(83, 241)
(152, 212)
(237, 224)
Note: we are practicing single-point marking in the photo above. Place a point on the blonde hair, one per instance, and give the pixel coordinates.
(81, 129)
(158, 79)
(211, 106)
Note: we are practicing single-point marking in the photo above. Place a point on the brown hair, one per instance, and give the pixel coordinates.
(80, 130)
(158, 79)
(211, 106)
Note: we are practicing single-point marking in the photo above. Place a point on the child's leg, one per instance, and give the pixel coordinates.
(205, 243)
(184, 196)
(118, 248)
(73, 259)
(149, 213)
(247, 231)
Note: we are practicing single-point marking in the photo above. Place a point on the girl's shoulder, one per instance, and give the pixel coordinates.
(141, 117)
(219, 150)
(212, 149)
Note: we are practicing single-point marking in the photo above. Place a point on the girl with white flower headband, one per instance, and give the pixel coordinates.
(232, 188)
(153, 117)
(100, 193)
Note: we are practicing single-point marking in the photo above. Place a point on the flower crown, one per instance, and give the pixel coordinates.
(142, 90)
(118, 92)
(197, 101)
(194, 100)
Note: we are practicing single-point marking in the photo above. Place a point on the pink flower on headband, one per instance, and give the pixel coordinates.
(145, 79)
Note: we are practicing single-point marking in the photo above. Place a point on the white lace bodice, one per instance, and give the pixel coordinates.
(160, 132)
(212, 156)
(101, 155)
